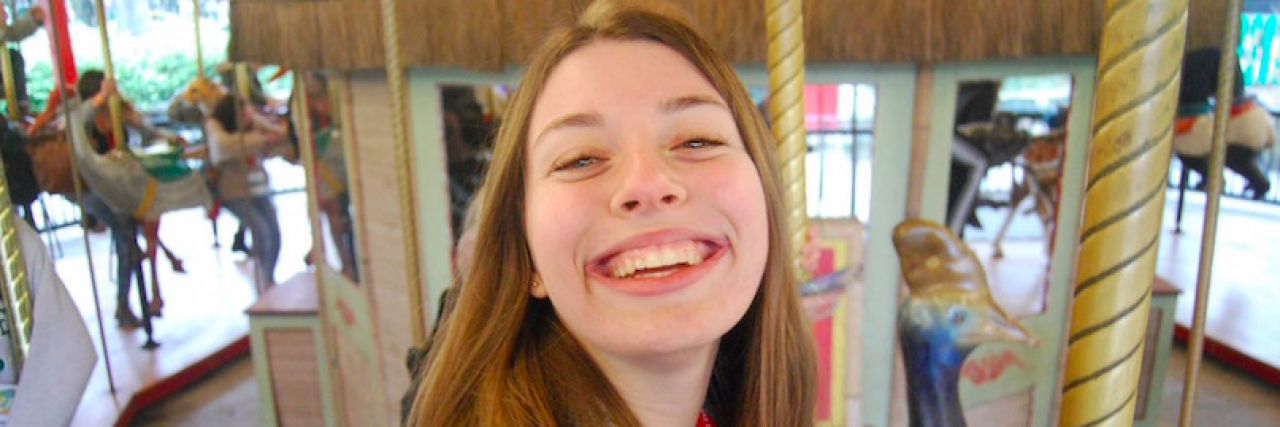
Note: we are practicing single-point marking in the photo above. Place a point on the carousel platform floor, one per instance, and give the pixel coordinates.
(1228, 395)
(1243, 326)
(203, 327)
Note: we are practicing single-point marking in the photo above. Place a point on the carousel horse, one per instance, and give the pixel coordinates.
(948, 312)
(1249, 131)
(977, 147)
(143, 185)
(51, 163)
(1040, 173)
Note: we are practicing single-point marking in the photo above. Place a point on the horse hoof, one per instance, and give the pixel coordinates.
(156, 310)
(1260, 190)
(178, 268)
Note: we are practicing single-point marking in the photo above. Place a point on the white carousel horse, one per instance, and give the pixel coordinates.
(1249, 132)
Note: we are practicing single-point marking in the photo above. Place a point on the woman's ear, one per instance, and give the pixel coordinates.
(537, 289)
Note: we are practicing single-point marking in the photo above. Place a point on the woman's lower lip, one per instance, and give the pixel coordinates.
(678, 279)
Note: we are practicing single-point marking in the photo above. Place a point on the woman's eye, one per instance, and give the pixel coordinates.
(576, 163)
(697, 143)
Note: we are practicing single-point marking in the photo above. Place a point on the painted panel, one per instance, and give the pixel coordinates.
(382, 251)
(295, 376)
(895, 86)
(995, 373)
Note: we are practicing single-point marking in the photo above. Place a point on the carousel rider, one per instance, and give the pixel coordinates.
(92, 92)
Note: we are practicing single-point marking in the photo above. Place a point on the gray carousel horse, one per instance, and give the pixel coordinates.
(142, 186)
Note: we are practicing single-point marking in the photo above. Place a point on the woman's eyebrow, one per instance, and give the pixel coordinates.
(685, 102)
(571, 120)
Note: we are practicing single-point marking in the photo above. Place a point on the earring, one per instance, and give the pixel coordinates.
(536, 283)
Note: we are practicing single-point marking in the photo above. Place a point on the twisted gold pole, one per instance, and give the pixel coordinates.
(16, 292)
(404, 167)
(1139, 63)
(784, 28)
(6, 72)
(1217, 156)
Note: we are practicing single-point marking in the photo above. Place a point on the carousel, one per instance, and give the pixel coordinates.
(1025, 144)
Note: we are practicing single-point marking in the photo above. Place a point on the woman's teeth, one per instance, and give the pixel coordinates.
(640, 263)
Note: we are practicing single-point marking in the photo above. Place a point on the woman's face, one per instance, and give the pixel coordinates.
(646, 216)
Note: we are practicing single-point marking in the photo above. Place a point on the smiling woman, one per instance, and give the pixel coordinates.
(630, 265)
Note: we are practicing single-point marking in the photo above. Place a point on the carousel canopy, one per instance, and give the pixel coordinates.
(489, 35)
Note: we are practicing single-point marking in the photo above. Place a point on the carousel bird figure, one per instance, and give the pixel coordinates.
(947, 314)
(1249, 131)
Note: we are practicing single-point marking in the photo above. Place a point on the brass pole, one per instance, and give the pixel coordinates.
(784, 28)
(404, 167)
(1217, 156)
(1139, 65)
(921, 122)
(195, 13)
(241, 71)
(117, 128)
(65, 107)
(6, 72)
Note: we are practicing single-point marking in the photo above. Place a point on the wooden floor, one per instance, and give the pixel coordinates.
(204, 325)
(1243, 322)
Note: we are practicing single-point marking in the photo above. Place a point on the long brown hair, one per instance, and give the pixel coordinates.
(504, 358)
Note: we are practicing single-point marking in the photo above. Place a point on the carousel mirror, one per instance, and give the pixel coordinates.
(469, 114)
(1007, 152)
(325, 98)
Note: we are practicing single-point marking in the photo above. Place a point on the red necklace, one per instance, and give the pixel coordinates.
(704, 420)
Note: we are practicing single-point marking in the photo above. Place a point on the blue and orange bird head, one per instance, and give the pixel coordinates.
(949, 305)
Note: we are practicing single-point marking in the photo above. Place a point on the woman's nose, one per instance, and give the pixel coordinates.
(648, 183)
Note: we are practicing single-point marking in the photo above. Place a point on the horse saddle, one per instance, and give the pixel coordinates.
(164, 165)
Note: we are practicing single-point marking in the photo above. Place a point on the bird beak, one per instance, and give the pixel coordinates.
(1000, 327)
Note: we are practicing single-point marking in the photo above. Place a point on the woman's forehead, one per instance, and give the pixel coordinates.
(609, 74)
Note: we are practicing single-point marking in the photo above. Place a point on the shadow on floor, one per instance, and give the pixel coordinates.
(227, 397)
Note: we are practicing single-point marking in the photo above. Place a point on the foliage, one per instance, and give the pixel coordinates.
(1258, 49)
(150, 67)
